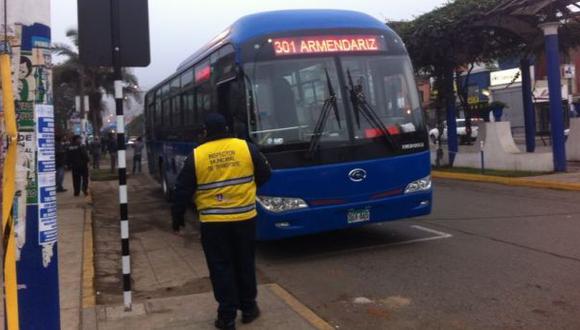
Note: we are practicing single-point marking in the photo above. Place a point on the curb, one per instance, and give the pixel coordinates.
(518, 182)
(88, 285)
(88, 299)
(305, 312)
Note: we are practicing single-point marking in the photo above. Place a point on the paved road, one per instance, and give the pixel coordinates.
(513, 261)
(488, 257)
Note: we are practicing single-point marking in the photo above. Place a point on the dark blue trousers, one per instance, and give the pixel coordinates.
(230, 253)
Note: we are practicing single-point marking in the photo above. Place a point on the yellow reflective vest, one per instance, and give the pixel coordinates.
(226, 190)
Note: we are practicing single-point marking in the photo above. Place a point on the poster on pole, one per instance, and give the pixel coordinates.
(47, 221)
(25, 180)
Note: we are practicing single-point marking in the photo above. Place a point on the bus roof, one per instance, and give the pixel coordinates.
(255, 25)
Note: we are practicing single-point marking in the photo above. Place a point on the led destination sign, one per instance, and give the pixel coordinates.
(328, 44)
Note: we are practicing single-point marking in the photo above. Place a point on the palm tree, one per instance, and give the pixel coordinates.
(96, 82)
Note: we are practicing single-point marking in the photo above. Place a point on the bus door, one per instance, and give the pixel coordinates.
(231, 103)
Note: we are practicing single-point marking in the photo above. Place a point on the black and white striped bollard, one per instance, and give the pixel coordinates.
(123, 201)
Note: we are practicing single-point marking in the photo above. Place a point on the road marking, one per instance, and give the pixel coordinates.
(433, 231)
(440, 235)
(299, 308)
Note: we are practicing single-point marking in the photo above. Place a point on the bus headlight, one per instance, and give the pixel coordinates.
(281, 204)
(419, 185)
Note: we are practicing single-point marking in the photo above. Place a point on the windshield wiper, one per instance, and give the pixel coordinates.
(329, 103)
(361, 106)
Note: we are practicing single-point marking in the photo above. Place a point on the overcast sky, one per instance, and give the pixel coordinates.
(180, 27)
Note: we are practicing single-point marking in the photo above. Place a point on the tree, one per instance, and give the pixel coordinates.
(462, 33)
(448, 38)
(64, 98)
(73, 78)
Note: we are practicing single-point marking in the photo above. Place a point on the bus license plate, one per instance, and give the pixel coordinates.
(356, 216)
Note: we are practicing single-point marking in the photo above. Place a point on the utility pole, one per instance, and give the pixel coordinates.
(101, 43)
(33, 208)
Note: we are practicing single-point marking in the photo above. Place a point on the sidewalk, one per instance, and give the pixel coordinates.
(171, 288)
(197, 311)
(73, 213)
(560, 181)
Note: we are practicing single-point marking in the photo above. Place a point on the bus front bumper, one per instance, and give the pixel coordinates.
(274, 226)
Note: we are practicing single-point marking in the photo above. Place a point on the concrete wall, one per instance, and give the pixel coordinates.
(573, 142)
(511, 96)
(501, 153)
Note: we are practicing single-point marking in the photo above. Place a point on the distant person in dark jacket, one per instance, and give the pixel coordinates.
(78, 160)
(137, 154)
(95, 148)
(60, 162)
(112, 149)
(104, 144)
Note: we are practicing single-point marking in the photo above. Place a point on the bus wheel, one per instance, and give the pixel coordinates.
(165, 187)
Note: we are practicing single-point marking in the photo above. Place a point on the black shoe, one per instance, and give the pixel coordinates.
(225, 325)
(60, 190)
(250, 316)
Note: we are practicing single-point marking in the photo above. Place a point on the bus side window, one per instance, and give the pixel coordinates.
(149, 120)
(166, 109)
(158, 118)
(176, 114)
(203, 100)
(188, 107)
(231, 100)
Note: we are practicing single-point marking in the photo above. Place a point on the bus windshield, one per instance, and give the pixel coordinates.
(386, 86)
(289, 96)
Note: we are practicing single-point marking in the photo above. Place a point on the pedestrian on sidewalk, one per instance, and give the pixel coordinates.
(95, 148)
(223, 174)
(137, 154)
(104, 145)
(60, 163)
(78, 159)
(112, 148)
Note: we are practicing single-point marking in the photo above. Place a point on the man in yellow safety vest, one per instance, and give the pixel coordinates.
(222, 176)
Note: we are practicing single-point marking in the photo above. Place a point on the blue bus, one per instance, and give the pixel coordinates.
(328, 96)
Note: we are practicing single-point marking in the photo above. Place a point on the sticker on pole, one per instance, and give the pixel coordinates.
(47, 221)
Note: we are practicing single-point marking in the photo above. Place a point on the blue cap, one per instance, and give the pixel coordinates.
(215, 123)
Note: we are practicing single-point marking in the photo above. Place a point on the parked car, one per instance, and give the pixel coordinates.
(461, 132)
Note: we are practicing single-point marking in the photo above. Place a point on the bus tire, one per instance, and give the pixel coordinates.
(165, 187)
